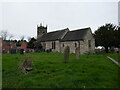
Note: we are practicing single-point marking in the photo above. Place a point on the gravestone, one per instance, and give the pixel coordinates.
(27, 64)
(77, 52)
(66, 54)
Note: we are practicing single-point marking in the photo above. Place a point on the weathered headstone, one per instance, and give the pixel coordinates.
(27, 64)
(66, 54)
(77, 52)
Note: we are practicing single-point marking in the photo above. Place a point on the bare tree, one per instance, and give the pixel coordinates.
(4, 34)
(22, 38)
(10, 36)
(29, 38)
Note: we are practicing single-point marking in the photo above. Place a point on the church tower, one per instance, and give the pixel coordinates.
(41, 30)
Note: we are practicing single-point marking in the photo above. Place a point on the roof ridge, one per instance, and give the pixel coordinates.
(81, 29)
(57, 30)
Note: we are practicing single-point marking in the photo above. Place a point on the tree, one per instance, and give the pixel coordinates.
(117, 37)
(4, 34)
(22, 38)
(10, 36)
(18, 43)
(104, 36)
(29, 38)
(31, 43)
(38, 46)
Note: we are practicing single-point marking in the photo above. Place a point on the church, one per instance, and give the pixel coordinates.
(57, 40)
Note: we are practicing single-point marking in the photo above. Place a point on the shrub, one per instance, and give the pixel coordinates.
(66, 54)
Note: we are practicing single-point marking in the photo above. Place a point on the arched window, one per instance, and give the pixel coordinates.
(53, 45)
(75, 44)
(63, 44)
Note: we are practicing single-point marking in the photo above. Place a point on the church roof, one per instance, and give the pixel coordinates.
(75, 35)
(52, 36)
(64, 35)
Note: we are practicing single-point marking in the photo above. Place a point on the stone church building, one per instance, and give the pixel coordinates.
(58, 40)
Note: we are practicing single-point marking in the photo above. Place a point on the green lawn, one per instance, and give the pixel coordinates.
(49, 71)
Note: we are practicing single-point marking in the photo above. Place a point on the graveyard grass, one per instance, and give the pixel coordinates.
(49, 71)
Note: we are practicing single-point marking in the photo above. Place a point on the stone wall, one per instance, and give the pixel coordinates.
(82, 47)
(84, 44)
(48, 45)
(72, 44)
(57, 46)
(88, 49)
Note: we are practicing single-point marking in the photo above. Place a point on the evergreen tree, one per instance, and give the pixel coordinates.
(105, 36)
(31, 43)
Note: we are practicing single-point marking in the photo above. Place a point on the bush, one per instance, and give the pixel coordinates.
(66, 54)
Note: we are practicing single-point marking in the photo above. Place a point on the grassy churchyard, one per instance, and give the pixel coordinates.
(49, 71)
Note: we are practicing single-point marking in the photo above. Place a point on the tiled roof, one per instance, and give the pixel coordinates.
(75, 35)
(52, 36)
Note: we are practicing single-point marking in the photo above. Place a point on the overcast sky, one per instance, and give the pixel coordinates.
(119, 13)
(22, 18)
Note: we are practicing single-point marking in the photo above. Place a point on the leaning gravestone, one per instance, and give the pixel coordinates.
(27, 64)
(77, 52)
(21, 51)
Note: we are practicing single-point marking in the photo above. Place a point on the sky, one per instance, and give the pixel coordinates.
(119, 13)
(22, 18)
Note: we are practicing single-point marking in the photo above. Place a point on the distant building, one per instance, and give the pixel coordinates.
(13, 45)
(7, 46)
(56, 41)
(10, 47)
(24, 46)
